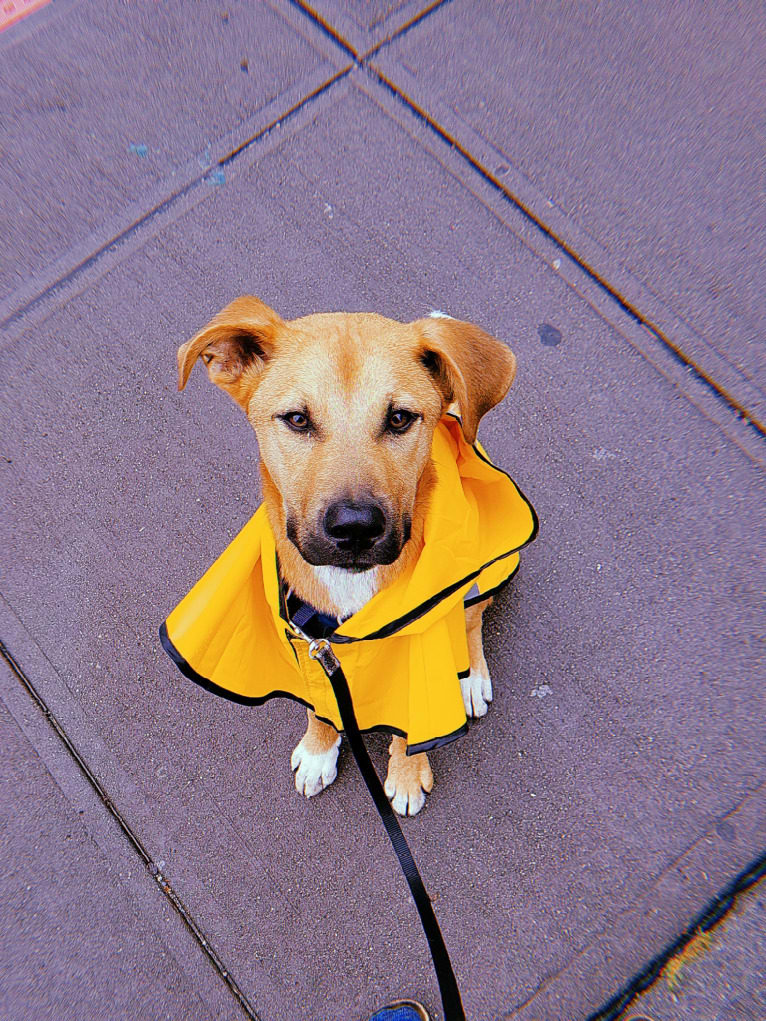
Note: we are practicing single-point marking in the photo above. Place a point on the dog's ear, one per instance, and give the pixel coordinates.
(468, 366)
(235, 346)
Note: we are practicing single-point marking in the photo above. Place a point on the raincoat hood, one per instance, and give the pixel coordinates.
(405, 651)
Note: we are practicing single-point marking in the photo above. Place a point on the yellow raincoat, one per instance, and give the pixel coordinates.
(404, 652)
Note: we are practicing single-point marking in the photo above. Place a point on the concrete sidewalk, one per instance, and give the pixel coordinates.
(577, 186)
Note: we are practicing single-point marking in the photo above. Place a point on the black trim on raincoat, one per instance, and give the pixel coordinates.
(188, 671)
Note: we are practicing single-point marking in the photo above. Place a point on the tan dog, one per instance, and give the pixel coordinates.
(344, 407)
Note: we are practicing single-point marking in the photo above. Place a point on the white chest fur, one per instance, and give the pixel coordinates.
(349, 590)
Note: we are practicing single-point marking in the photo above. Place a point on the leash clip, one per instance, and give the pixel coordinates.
(321, 650)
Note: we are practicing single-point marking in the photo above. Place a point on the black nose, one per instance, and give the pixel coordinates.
(357, 523)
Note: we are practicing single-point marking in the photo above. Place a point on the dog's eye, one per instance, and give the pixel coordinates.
(298, 421)
(399, 420)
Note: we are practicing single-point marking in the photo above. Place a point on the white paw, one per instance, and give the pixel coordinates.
(314, 772)
(477, 693)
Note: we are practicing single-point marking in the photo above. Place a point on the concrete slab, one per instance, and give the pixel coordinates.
(577, 829)
(71, 942)
(633, 133)
(103, 111)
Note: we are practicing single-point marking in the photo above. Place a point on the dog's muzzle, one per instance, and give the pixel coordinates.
(354, 534)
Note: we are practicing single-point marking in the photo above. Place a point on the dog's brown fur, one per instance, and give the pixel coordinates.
(347, 372)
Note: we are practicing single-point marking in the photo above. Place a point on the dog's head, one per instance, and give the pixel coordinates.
(344, 407)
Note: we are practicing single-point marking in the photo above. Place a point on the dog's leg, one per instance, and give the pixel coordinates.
(409, 778)
(477, 686)
(314, 759)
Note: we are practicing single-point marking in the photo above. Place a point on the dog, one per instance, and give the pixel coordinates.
(347, 409)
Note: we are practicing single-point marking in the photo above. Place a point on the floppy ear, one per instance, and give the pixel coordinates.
(468, 366)
(235, 346)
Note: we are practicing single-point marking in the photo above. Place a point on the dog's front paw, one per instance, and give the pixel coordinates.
(314, 771)
(409, 780)
(477, 693)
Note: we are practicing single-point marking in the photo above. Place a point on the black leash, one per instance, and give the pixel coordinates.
(321, 650)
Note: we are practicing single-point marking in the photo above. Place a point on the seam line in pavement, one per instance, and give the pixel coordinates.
(295, 108)
(709, 917)
(332, 33)
(683, 380)
(166, 203)
(89, 260)
(132, 837)
(403, 29)
(326, 28)
(627, 306)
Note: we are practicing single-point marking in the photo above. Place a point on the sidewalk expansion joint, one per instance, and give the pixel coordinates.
(360, 59)
(706, 920)
(326, 28)
(629, 308)
(24, 309)
(133, 839)
(17, 314)
(278, 121)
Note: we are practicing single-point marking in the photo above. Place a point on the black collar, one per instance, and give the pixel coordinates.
(311, 621)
